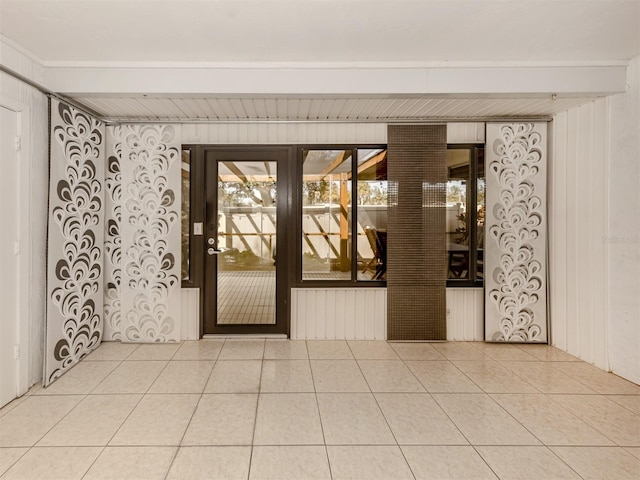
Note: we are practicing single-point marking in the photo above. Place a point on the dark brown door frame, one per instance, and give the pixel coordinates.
(285, 157)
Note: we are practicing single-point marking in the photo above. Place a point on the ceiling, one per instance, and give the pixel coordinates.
(363, 109)
(115, 33)
(323, 30)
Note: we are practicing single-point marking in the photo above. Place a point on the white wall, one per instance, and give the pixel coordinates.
(33, 187)
(594, 231)
(623, 240)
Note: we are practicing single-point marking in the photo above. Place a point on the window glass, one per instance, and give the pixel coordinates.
(186, 214)
(457, 223)
(372, 214)
(481, 207)
(326, 214)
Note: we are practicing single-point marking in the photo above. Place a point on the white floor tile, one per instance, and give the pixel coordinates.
(32, 419)
(159, 419)
(132, 463)
(205, 463)
(48, 463)
(286, 376)
(9, 456)
(131, 377)
(92, 422)
(288, 419)
(235, 376)
(81, 379)
(482, 421)
(242, 350)
(289, 463)
(112, 351)
(353, 419)
(199, 350)
(370, 462)
(602, 463)
(183, 377)
(286, 350)
(223, 419)
(447, 462)
(549, 421)
(338, 376)
(526, 463)
(329, 350)
(372, 350)
(416, 419)
(389, 376)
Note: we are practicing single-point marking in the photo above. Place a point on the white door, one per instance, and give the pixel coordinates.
(8, 255)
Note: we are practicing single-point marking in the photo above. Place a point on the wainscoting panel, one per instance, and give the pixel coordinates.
(465, 314)
(516, 225)
(190, 314)
(75, 239)
(339, 313)
(360, 314)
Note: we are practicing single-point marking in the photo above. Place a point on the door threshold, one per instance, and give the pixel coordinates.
(245, 335)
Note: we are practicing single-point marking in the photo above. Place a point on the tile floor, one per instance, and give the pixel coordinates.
(278, 409)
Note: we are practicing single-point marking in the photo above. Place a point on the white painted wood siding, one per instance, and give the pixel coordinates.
(578, 204)
(283, 133)
(465, 132)
(190, 314)
(361, 314)
(339, 313)
(465, 314)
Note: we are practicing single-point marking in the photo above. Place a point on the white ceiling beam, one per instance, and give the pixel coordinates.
(353, 81)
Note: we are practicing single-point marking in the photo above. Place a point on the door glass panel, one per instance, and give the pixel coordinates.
(246, 243)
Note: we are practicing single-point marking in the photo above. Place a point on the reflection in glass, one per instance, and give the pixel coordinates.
(481, 206)
(372, 214)
(457, 233)
(186, 211)
(246, 242)
(326, 215)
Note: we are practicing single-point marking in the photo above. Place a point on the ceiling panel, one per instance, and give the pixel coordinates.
(218, 109)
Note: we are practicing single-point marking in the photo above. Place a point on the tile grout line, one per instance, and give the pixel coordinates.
(255, 417)
(315, 393)
(204, 386)
(380, 409)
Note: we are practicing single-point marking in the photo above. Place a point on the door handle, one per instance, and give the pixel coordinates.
(213, 251)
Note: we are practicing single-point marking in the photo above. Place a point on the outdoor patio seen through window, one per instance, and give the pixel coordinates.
(465, 231)
(344, 215)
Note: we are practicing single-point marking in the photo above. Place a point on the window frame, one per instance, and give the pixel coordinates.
(297, 211)
(196, 215)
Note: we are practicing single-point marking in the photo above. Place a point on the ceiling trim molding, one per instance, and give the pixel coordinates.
(561, 80)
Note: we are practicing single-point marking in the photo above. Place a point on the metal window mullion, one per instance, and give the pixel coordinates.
(354, 215)
(472, 209)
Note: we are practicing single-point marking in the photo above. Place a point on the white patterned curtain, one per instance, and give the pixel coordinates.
(516, 225)
(143, 234)
(75, 239)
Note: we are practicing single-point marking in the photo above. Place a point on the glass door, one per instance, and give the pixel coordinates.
(245, 282)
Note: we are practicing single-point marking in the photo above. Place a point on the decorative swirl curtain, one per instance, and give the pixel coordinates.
(75, 239)
(142, 244)
(516, 224)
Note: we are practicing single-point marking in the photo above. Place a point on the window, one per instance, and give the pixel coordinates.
(465, 214)
(186, 212)
(335, 203)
